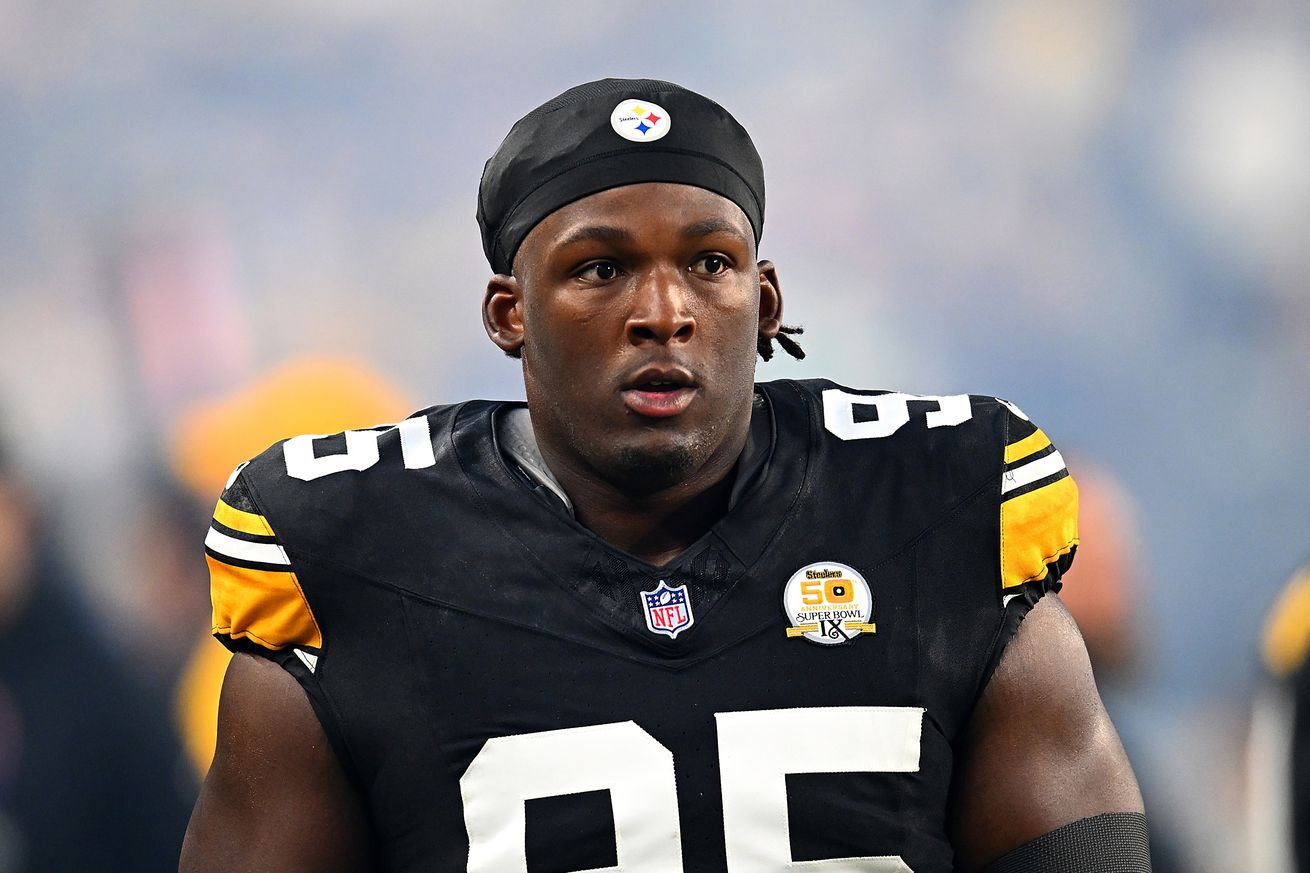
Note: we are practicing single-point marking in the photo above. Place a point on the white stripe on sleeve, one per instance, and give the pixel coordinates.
(1031, 472)
(264, 553)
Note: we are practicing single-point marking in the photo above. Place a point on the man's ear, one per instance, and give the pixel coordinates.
(770, 300)
(502, 314)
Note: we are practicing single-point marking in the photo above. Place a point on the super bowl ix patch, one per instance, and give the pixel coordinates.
(828, 603)
(668, 609)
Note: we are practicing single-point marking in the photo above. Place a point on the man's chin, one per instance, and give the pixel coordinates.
(648, 469)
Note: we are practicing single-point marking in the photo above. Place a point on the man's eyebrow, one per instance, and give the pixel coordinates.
(601, 232)
(709, 226)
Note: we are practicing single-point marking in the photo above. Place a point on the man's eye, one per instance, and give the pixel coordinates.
(710, 265)
(602, 272)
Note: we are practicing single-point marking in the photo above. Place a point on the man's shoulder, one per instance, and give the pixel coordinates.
(314, 515)
(314, 459)
(313, 487)
(967, 428)
(909, 461)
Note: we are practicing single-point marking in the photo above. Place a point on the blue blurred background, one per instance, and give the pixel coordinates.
(1099, 210)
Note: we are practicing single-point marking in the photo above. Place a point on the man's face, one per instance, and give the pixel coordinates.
(638, 311)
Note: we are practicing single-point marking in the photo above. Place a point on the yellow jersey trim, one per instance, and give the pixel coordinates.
(265, 606)
(1037, 529)
(237, 519)
(1034, 442)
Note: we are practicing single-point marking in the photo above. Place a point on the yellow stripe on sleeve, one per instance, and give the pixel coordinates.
(1287, 632)
(1037, 529)
(265, 606)
(1034, 442)
(237, 519)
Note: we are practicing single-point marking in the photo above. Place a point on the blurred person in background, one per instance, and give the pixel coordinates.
(1278, 753)
(173, 601)
(304, 395)
(1105, 589)
(87, 763)
(1103, 595)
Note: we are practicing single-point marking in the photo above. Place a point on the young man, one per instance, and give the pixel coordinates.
(660, 618)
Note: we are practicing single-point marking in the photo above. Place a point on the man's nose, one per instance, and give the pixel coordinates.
(660, 312)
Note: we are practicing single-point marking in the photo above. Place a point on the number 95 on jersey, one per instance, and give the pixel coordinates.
(757, 750)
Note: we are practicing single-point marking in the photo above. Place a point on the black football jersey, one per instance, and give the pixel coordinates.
(508, 692)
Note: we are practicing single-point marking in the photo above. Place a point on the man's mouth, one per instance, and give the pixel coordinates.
(659, 393)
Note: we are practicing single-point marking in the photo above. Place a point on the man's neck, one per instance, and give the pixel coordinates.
(654, 526)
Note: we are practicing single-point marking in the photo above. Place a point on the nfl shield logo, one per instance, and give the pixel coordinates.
(668, 610)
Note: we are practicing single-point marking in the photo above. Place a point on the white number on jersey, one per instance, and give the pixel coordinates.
(758, 749)
(361, 450)
(893, 413)
(622, 757)
(756, 752)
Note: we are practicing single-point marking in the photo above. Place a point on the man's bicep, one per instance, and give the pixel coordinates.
(275, 797)
(1040, 751)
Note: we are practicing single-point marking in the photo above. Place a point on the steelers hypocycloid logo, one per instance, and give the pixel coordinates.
(828, 603)
(640, 120)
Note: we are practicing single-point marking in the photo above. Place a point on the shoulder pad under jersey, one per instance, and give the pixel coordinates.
(302, 497)
(1039, 505)
(254, 591)
(949, 447)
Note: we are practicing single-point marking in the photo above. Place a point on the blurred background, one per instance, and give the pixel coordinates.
(225, 222)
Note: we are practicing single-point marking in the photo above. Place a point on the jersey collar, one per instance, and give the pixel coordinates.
(518, 444)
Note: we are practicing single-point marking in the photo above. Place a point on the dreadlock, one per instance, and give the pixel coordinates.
(789, 345)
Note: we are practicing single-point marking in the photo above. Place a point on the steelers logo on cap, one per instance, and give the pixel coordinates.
(640, 120)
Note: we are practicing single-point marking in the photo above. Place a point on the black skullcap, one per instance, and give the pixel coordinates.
(606, 134)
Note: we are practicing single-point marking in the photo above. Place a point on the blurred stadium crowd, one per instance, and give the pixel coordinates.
(222, 223)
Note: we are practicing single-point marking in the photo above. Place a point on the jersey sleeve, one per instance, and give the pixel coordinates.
(1039, 510)
(1038, 524)
(258, 603)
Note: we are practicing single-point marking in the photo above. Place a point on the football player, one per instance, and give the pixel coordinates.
(659, 617)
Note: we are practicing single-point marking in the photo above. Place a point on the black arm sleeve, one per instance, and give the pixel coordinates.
(1113, 842)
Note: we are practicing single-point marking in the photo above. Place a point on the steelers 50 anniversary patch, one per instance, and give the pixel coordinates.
(828, 603)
